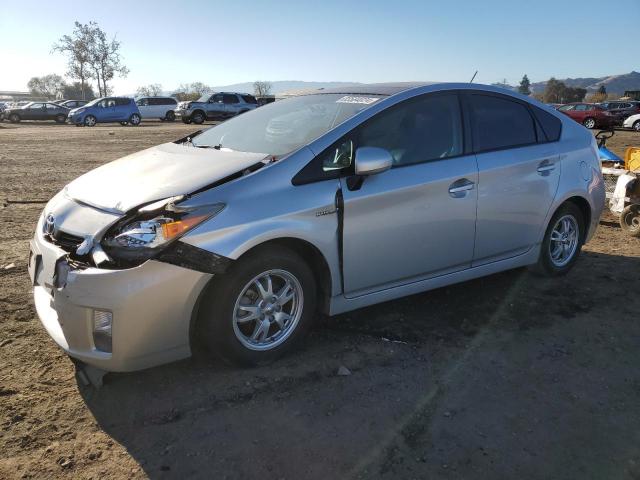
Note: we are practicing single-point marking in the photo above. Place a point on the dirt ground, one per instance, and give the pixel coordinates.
(510, 376)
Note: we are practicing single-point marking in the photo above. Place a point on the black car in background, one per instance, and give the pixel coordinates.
(622, 109)
(37, 111)
(70, 104)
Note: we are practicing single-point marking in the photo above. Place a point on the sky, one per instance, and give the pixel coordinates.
(224, 42)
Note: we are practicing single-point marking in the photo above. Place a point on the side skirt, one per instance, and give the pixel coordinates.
(341, 304)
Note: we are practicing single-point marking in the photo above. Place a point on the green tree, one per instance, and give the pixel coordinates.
(525, 86)
(48, 86)
(74, 91)
(554, 91)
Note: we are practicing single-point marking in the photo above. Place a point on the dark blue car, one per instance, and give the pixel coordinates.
(106, 110)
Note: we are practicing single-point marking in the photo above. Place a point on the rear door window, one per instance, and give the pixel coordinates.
(498, 122)
(123, 101)
(228, 98)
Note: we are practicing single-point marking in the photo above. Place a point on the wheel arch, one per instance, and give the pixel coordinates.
(314, 259)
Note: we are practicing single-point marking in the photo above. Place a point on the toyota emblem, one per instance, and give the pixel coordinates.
(49, 224)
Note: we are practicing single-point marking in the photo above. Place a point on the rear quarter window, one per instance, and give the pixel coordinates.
(551, 125)
(249, 99)
(123, 101)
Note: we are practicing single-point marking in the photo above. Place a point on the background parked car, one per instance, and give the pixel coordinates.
(37, 111)
(73, 103)
(216, 106)
(622, 109)
(163, 108)
(589, 114)
(106, 110)
(632, 122)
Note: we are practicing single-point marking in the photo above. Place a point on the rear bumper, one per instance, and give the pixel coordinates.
(152, 307)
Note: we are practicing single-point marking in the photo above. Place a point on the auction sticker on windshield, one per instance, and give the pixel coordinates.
(362, 100)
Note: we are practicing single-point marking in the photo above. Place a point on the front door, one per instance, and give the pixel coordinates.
(416, 220)
(215, 107)
(518, 176)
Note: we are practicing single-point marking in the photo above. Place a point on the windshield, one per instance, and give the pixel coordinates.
(284, 126)
(204, 98)
(93, 102)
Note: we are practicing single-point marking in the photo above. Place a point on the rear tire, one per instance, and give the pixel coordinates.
(630, 220)
(280, 314)
(186, 121)
(14, 118)
(590, 123)
(636, 126)
(124, 124)
(61, 118)
(170, 116)
(134, 119)
(562, 242)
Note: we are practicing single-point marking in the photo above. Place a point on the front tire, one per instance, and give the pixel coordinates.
(590, 123)
(14, 118)
(61, 118)
(260, 308)
(636, 125)
(89, 121)
(562, 242)
(630, 220)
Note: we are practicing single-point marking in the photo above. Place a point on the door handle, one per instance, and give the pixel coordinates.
(459, 188)
(545, 167)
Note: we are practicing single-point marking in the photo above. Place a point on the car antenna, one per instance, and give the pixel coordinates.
(474, 76)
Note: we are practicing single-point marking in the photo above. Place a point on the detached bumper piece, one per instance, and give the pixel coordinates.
(194, 258)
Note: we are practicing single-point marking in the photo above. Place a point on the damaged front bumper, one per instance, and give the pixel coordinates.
(150, 306)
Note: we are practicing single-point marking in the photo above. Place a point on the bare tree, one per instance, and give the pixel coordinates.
(150, 90)
(192, 91)
(48, 86)
(261, 89)
(105, 58)
(77, 49)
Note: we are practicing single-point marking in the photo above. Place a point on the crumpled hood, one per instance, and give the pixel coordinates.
(156, 173)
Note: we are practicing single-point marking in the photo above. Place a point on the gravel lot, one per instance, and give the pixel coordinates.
(510, 376)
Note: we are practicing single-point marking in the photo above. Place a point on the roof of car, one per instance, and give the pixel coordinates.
(365, 89)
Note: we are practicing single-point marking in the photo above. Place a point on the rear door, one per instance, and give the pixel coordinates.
(416, 220)
(216, 107)
(519, 172)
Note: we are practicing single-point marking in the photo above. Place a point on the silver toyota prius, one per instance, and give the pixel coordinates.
(237, 235)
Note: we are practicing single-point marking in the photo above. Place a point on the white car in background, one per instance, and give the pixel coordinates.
(157, 107)
(633, 122)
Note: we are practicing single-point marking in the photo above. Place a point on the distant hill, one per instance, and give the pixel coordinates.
(283, 86)
(613, 83)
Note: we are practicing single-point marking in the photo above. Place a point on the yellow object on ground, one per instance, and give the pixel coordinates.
(632, 159)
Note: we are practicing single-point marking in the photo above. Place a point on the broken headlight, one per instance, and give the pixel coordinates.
(153, 227)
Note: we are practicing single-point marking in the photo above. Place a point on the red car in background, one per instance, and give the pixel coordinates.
(589, 114)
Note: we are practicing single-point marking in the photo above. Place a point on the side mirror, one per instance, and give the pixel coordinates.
(372, 160)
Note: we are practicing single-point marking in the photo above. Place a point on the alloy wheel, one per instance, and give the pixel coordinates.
(268, 310)
(590, 123)
(636, 126)
(564, 240)
(90, 121)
